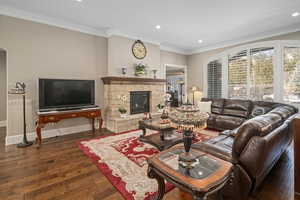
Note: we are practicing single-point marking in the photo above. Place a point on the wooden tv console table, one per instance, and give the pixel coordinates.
(56, 116)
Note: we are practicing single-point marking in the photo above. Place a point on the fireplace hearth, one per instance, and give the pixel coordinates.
(139, 102)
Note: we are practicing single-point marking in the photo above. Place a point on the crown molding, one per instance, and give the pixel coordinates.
(13, 12)
(253, 38)
(174, 50)
(111, 32)
(18, 13)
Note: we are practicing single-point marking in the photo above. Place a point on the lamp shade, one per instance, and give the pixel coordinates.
(188, 117)
(195, 88)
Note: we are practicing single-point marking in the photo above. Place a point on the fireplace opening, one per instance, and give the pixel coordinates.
(139, 102)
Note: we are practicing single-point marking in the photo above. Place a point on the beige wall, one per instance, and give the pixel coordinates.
(3, 93)
(40, 51)
(120, 54)
(37, 50)
(196, 62)
(167, 57)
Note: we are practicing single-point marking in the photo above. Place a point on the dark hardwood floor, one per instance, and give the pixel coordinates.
(59, 170)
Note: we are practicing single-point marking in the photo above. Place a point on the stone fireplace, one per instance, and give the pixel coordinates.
(142, 95)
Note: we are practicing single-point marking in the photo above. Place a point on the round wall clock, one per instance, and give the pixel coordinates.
(139, 49)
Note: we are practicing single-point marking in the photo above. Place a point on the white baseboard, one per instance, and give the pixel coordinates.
(3, 123)
(48, 133)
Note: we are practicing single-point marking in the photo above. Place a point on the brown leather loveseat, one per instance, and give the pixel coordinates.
(256, 134)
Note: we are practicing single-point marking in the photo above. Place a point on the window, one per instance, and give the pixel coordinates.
(291, 71)
(261, 74)
(237, 75)
(264, 71)
(250, 74)
(214, 79)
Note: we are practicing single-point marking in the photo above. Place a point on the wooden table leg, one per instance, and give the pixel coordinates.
(161, 183)
(93, 125)
(39, 134)
(100, 123)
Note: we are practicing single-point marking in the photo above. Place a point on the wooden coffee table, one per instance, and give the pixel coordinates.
(166, 138)
(208, 176)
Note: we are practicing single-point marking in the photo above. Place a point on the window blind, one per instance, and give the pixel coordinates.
(237, 75)
(214, 79)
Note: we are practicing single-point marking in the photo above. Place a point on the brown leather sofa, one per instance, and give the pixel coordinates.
(256, 134)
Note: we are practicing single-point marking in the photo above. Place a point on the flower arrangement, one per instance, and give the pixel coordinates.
(140, 69)
(160, 106)
(122, 108)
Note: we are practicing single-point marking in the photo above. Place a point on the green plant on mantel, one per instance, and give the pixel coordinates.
(122, 110)
(140, 69)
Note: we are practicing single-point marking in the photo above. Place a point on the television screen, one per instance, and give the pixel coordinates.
(63, 93)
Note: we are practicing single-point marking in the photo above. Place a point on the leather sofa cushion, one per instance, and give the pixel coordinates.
(231, 133)
(216, 105)
(220, 146)
(228, 122)
(283, 111)
(237, 108)
(258, 126)
(211, 120)
(261, 108)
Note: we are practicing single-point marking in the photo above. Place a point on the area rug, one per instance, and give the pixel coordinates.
(122, 158)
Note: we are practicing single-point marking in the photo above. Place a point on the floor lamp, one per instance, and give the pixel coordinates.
(181, 83)
(20, 90)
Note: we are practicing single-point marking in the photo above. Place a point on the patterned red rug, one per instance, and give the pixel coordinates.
(122, 158)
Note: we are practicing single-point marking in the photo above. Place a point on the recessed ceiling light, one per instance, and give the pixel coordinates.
(295, 14)
(157, 26)
(200, 41)
(79, 0)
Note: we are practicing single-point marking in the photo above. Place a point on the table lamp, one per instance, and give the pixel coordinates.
(188, 119)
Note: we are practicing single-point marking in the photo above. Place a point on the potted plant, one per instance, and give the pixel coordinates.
(140, 69)
(122, 111)
(160, 107)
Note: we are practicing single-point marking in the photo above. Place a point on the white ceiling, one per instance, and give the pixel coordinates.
(183, 22)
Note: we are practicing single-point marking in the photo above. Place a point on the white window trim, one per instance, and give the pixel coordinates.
(278, 61)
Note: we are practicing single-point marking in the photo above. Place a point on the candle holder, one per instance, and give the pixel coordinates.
(124, 70)
(154, 73)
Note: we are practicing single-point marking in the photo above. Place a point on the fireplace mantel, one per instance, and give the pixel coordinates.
(111, 79)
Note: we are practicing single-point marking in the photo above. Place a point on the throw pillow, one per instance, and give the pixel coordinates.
(204, 106)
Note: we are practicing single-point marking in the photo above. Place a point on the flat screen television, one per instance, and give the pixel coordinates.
(56, 94)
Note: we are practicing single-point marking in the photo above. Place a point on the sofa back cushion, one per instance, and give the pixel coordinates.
(237, 108)
(284, 111)
(216, 105)
(258, 126)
